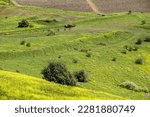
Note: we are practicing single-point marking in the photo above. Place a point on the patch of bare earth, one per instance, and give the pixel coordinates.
(73, 5)
(123, 5)
(83, 5)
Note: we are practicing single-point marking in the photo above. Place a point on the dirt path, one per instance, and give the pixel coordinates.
(15, 3)
(93, 6)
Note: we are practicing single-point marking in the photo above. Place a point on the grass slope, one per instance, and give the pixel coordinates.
(18, 86)
(4, 2)
(102, 36)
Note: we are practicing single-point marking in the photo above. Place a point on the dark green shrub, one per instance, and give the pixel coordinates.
(75, 60)
(88, 54)
(28, 44)
(135, 48)
(139, 61)
(123, 52)
(130, 86)
(129, 12)
(143, 22)
(81, 76)
(129, 48)
(125, 47)
(23, 24)
(22, 42)
(59, 56)
(58, 73)
(147, 39)
(17, 71)
(145, 90)
(114, 59)
(138, 42)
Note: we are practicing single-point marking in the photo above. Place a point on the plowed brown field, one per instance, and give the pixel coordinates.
(82, 5)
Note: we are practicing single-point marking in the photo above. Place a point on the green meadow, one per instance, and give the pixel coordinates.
(103, 37)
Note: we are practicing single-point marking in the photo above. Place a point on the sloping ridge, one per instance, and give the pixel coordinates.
(19, 86)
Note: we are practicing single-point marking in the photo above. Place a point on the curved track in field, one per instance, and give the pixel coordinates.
(93, 6)
(15, 3)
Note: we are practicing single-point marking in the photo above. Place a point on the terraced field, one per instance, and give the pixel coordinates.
(82, 5)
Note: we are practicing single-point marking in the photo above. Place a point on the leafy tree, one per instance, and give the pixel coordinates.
(58, 73)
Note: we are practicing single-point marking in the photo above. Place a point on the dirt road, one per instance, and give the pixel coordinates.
(93, 6)
(15, 3)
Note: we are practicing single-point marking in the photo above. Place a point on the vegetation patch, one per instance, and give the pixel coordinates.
(23, 24)
(81, 76)
(134, 87)
(147, 39)
(28, 44)
(22, 42)
(139, 61)
(104, 37)
(130, 86)
(58, 73)
(138, 42)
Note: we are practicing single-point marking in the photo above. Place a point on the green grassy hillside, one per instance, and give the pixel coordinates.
(18, 86)
(4, 2)
(104, 37)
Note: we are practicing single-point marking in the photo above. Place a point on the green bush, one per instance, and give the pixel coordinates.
(147, 39)
(23, 24)
(75, 60)
(114, 59)
(88, 54)
(81, 76)
(58, 73)
(135, 48)
(145, 90)
(130, 86)
(143, 22)
(129, 12)
(59, 56)
(22, 42)
(139, 61)
(17, 71)
(123, 52)
(28, 44)
(138, 42)
(129, 48)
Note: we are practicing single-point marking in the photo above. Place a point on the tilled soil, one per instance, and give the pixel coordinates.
(82, 5)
